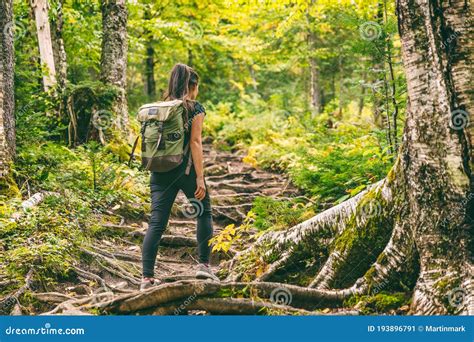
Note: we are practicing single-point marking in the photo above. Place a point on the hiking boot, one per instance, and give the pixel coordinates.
(204, 272)
(147, 283)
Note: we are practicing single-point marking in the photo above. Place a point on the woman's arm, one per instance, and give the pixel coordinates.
(196, 152)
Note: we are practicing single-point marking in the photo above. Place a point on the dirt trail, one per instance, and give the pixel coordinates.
(115, 262)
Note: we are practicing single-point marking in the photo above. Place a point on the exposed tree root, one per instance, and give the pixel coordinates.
(299, 297)
(11, 300)
(229, 306)
(328, 271)
(113, 267)
(91, 276)
(326, 225)
(51, 297)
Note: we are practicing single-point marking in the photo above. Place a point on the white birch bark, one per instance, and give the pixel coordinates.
(43, 31)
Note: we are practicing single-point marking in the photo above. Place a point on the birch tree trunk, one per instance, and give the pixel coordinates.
(43, 31)
(7, 103)
(418, 221)
(59, 51)
(114, 55)
(437, 46)
(315, 88)
(314, 84)
(378, 70)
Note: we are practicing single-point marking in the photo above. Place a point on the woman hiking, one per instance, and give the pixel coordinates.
(183, 85)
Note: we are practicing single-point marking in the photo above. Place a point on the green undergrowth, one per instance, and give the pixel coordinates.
(330, 158)
(89, 186)
(380, 303)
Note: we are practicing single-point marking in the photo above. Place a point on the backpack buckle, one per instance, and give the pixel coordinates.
(160, 126)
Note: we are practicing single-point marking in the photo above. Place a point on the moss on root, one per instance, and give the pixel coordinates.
(361, 244)
(380, 303)
(8, 187)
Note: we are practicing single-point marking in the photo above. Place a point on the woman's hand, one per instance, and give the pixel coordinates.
(200, 192)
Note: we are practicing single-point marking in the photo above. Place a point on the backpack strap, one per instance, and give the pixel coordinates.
(160, 135)
(132, 154)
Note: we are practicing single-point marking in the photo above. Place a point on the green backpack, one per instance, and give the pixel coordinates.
(162, 132)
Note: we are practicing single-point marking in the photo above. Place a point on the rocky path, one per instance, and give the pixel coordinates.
(115, 262)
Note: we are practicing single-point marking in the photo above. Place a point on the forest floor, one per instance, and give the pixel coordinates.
(112, 264)
(105, 278)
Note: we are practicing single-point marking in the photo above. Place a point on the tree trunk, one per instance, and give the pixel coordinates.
(393, 88)
(59, 51)
(378, 63)
(150, 84)
(7, 103)
(114, 56)
(362, 94)
(315, 87)
(341, 85)
(436, 153)
(253, 77)
(414, 226)
(40, 8)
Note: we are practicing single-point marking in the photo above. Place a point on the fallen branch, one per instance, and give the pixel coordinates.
(33, 201)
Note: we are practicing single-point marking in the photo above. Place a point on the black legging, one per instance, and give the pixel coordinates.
(164, 188)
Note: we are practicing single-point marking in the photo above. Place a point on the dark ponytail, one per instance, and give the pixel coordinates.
(182, 81)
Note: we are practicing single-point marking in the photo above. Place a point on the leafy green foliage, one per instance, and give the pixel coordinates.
(275, 214)
(381, 303)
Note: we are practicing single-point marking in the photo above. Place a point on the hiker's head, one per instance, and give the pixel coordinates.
(183, 83)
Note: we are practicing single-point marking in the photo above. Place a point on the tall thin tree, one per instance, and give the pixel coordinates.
(7, 103)
(43, 31)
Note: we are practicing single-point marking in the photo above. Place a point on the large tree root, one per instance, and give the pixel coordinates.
(323, 227)
(298, 297)
(230, 306)
(112, 266)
